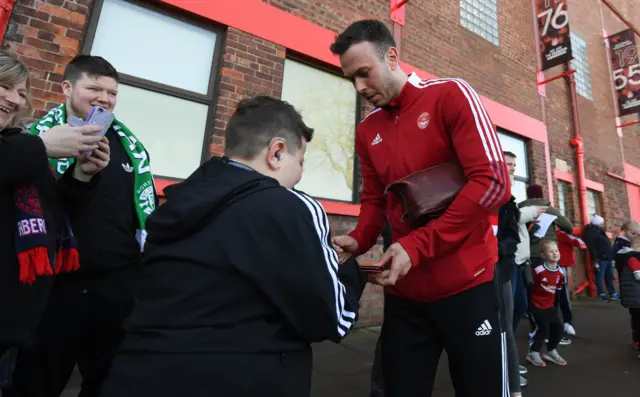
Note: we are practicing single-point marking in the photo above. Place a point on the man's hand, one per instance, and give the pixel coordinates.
(400, 266)
(66, 141)
(88, 166)
(346, 246)
(636, 275)
(596, 265)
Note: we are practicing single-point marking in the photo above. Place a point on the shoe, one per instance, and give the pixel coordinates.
(636, 346)
(535, 359)
(522, 369)
(554, 357)
(568, 328)
(604, 298)
(564, 341)
(523, 381)
(615, 297)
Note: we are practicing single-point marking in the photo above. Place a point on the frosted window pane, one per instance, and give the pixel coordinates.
(174, 142)
(481, 18)
(327, 104)
(153, 46)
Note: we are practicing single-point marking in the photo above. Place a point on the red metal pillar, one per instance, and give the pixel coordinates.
(577, 143)
(6, 6)
(397, 16)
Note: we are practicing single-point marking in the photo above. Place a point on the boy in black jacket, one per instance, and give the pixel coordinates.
(240, 275)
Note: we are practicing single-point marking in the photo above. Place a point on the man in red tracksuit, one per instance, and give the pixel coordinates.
(440, 277)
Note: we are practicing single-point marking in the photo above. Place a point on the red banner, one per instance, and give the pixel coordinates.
(626, 71)
(553, 32)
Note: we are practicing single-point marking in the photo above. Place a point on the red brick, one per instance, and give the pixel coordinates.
(41, 44)
(53, 10)
(67, 42)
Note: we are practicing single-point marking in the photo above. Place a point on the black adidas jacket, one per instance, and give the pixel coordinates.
(236, 263)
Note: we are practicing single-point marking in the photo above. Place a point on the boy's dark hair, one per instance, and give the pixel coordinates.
(258, 120)
(507, 153)
(92, 66)
(369, 30)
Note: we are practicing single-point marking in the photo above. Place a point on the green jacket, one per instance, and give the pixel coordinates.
(561, 221)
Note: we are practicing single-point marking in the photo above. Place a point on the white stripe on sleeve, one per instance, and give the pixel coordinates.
(345, 317)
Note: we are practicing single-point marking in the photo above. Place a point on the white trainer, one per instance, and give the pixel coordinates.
(569, 330)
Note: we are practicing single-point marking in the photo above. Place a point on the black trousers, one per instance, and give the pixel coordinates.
(82, 327)
(549, 327)
(635, 324)
(468, 326)
(210, 375)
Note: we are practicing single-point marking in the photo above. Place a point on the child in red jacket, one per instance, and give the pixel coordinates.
(547, 279)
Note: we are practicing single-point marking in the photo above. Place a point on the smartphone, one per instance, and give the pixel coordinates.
(97, 116)
(372, 269)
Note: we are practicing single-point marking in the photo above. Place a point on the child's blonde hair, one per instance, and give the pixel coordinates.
(630, 225)
(545, 243)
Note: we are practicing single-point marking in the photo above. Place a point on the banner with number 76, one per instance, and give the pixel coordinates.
(553, 32)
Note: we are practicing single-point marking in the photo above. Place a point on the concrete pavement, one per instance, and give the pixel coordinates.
(601, 361)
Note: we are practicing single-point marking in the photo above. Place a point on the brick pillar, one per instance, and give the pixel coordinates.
(251, 67)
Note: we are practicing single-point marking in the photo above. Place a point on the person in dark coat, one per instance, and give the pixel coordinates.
(35, 241)
(239, 273)
(628, 262)
(602, 257)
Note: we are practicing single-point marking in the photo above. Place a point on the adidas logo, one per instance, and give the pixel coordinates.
(376, 140)
(484, 329)
(127, 167)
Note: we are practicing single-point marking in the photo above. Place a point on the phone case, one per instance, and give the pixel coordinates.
(98, 116)
(372, 269)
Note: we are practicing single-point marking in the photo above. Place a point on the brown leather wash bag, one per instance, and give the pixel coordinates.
(427, 194)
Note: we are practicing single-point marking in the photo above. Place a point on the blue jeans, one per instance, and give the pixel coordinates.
(605, 275)
(520, 301)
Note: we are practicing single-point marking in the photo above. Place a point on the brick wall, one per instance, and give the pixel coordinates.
(250, 66)
(47, 34)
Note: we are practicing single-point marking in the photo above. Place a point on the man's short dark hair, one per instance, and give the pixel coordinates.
(369, 30)
(92, 66)
(507, 153)
(258, 120)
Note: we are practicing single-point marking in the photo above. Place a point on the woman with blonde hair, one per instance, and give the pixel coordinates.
(35, 241)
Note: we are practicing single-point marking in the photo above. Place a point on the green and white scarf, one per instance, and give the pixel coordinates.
(144, 189)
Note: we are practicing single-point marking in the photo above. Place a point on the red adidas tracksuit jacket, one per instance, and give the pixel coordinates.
(429, 123)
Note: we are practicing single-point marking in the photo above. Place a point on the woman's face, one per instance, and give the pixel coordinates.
(13, 100)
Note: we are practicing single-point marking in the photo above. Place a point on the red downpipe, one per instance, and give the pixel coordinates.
(577, 143)
(6, 6)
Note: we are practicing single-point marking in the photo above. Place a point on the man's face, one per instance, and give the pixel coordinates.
(371, 76)
(511, 164)
(88, 92)
(290, 171)
(551, 253)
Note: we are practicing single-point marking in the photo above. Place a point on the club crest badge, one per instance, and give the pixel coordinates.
(423, 120)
